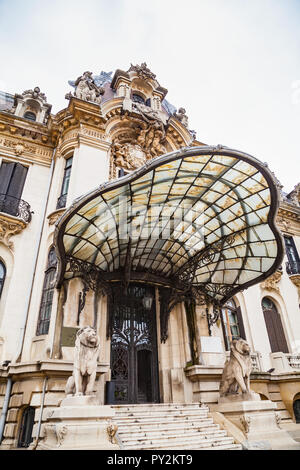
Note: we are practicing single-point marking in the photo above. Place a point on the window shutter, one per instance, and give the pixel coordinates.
(275, 331)
(240, 323)
(17, 181)
(6, 171)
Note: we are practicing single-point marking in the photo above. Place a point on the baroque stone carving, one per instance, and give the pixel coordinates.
(112, 431)
(87, 347)
(245, 422)
(8, 229)
(237, 370)
(143, 71)
(182, 117)
(86, 89)
(271, 283)
(128, 156)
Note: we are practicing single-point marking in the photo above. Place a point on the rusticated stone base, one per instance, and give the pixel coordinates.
(79, 424)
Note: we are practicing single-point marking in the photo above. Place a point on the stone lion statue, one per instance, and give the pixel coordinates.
(237, 370)
(87, 348)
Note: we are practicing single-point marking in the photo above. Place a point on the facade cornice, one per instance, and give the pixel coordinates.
(25, 150)
(23, 128)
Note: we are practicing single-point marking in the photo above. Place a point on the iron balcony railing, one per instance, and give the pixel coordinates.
(293, 267)
(294, 360)
(16, 207)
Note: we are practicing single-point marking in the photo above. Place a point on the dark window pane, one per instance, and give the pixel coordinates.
(29, 115)
(47, 295)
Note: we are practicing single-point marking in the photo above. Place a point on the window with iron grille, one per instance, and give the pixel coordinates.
(293, 264)
(2, 276)
(27, 422)
(62, 200)
(47, 295)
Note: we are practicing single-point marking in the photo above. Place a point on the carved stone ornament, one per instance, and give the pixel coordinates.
(8, 228)
(271, 283)
(140, 137)
(86, 89)
(128, 156)
(182, 117)
(245, 422)
(112, 431)
(35, 94)
(295, 278)
(142, 71)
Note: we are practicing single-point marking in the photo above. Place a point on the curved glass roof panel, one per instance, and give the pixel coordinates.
(200, 218)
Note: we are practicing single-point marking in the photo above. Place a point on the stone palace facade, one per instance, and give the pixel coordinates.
(173, 347)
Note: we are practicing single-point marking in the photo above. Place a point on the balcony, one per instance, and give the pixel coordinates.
(293, 267)
(16, 207)
(15, 215)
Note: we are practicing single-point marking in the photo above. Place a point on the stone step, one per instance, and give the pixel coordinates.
(217, 447)
(163, 426)
(214, 433)
(156, 414)
(168, 426)
(160, 410)
(179, 442)
(159, 405)
(132, 420)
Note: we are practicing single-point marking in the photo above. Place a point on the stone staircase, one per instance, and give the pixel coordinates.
(163, 426)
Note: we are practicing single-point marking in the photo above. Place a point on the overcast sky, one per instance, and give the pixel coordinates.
(234, 65)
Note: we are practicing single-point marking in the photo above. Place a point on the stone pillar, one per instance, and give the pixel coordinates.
(56, 351)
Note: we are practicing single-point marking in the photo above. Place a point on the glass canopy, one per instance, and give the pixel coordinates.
(199, 218)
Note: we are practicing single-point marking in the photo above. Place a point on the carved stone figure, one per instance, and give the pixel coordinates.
(237, 370)
(182, 117)
(86, 89)
(128, 156)
(143, 71)
(87, 348)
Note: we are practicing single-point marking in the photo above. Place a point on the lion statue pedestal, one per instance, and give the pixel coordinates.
(80, 422)
(256, 418)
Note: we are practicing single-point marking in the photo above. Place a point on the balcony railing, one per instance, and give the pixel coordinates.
(293, 267)
(16, 207)
(294, 360)
(255, 361)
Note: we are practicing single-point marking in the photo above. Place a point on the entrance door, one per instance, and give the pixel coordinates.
(134, 367)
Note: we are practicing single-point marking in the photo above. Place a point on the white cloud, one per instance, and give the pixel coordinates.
(232, 64)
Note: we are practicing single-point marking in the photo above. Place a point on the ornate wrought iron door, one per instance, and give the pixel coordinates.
(134, 366)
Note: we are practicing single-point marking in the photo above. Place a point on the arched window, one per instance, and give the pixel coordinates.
(47, 295)
(2, 276)
(296, 408)
(30, 115)
(27, 422)
(232, 323)
(138, 98)
(274, 326)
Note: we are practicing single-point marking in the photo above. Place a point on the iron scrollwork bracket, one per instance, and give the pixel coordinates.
(213, 317)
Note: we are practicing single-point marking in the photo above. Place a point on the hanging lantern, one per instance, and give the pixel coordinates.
(147, 301)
